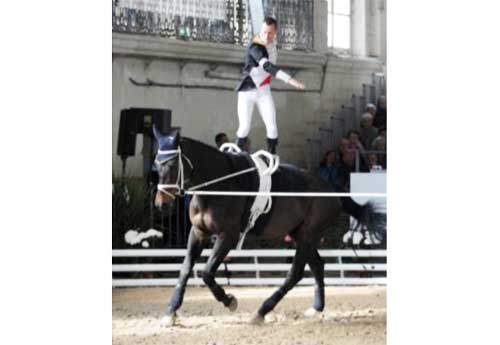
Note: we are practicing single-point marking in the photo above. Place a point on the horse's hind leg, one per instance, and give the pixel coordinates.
(196, 242)
(317, 266)
(293, 277)
(221, 247)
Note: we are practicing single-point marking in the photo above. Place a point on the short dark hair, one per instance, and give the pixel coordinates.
(219, 137)
(270, 21)
(323, 161)
(352, 131)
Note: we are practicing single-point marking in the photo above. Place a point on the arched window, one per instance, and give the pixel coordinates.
(339, 24)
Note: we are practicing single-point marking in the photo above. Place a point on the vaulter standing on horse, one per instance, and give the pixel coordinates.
(260, 66)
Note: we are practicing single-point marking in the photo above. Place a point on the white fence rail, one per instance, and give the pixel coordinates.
(256, 267)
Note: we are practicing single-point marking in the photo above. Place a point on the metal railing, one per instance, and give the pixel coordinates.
(137, 212)
(317, 149)
(347, 118)
(314, 153)
(295, 22)
(220, 21)
(248, 267)
(379, 84)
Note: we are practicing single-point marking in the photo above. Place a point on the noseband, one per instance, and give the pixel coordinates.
(179, 184)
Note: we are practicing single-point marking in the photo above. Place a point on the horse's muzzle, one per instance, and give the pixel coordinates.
(162, 198)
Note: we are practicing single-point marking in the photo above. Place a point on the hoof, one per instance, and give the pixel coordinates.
(168, 320)
(234, 303)
(311, 312)
(257, 320)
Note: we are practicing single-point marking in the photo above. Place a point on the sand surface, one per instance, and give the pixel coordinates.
(353, 315)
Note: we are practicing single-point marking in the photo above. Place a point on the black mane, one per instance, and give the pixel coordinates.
(194, 142)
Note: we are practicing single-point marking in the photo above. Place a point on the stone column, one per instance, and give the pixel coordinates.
(373, 28)
(382, 10)
(320, 9)
(358, 28)
(257, 14)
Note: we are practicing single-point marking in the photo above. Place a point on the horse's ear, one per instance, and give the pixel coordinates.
(156, 133)
(167, 141)
(176, 134)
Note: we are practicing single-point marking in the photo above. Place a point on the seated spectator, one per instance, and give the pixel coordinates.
(381, 139)
(368, 133)
(371, 108)
(381, 114)
(354, 142)
(356, 145)
(380, 144)
(346, 167)
(343, 146)
(373, 164)
(220, 139)
(329, 170)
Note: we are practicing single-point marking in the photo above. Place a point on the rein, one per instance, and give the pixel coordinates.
(238, 173)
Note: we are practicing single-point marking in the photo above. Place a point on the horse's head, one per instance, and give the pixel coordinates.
(169, 162)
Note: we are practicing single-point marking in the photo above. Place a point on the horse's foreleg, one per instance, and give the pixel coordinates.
(293, 277)
(196, 242)
(221, 248)
(317, 266)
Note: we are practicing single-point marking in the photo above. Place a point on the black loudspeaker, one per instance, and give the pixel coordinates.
(127, 133)
(162, 119)
(132, 122)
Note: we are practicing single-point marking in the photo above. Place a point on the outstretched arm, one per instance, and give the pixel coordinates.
(259, 56)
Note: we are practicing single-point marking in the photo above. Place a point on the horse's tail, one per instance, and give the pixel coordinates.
(368, 216)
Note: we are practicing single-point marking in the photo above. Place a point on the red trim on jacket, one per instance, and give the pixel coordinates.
(266, 81)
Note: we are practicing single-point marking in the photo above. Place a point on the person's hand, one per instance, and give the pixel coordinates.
(297, 84)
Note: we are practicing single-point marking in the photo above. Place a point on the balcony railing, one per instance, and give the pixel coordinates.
(219, 21)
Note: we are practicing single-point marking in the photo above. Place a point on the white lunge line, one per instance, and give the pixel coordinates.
(298, 194)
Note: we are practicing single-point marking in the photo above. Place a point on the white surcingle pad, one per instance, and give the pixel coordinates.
(262, 203)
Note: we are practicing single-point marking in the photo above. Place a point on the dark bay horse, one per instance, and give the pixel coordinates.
(304, 219)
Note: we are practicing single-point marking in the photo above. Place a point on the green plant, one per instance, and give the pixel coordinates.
(130, 208)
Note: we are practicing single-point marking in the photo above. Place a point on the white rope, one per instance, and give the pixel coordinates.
(230, 147)
(262, 203)
(166, 152)
(192, 189)
(286, 194)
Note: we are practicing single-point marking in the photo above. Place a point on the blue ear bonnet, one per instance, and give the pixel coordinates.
(168, 141)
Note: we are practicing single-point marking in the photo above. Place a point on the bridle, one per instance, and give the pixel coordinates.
(179, 184)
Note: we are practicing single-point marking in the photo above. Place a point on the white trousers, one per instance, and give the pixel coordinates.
(246, 100)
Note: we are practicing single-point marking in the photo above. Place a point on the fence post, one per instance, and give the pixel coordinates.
(341, 267)
(257, 272)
